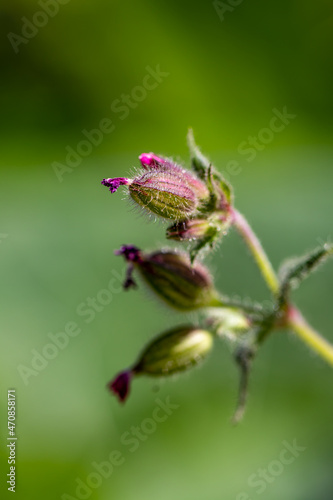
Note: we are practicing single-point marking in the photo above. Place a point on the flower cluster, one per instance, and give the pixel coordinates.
(198, 201)
(199, 204)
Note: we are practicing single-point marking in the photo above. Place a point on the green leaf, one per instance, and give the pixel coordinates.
(294, 271)
(200, 245)
(200, 163)
(219, 188)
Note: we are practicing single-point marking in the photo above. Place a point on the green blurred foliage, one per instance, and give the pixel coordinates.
(57, 240)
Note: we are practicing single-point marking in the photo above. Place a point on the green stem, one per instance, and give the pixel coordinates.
(296, 321)
(237, 305)
(257, 250)
(293, 317)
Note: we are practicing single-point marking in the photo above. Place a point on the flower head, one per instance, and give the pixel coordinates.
(171, 352)
(164, 188)
(172, 277)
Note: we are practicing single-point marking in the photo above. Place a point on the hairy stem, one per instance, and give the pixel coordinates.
(293, 317)
(257, 250)
(237, 305)
(313, 339)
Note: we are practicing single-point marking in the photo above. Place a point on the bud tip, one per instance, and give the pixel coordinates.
(130, 252)
(120, 385)
(113, 184)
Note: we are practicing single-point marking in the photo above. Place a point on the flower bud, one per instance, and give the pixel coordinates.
(171, 275)
(192, 229)
(164, 188)
(230, 323)
(174, 351)
(164, 195)
(169, 353)
(201, 233)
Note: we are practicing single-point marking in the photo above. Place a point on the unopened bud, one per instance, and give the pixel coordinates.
(171, 352)
(164, 195)
(229, 322)
(171, 275)
(175, 351)
(202, 233)
(164, 188)
(192, 229)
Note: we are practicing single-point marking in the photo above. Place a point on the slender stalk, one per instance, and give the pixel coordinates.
(313, 339)
(237, 305)
(243, 358)
(293, 317)
(257, 250)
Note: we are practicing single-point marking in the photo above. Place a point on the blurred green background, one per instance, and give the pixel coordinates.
(221, 68)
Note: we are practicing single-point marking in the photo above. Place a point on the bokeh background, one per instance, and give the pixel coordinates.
(225, 67)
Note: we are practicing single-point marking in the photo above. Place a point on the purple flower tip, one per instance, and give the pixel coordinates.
(120, 385)
(130, 252)
(113, 184)
(151, 160)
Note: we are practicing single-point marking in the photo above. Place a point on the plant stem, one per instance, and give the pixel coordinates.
(313, 339)
(293, 317)
(257, 250)
(237, 305)
(243, 358)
